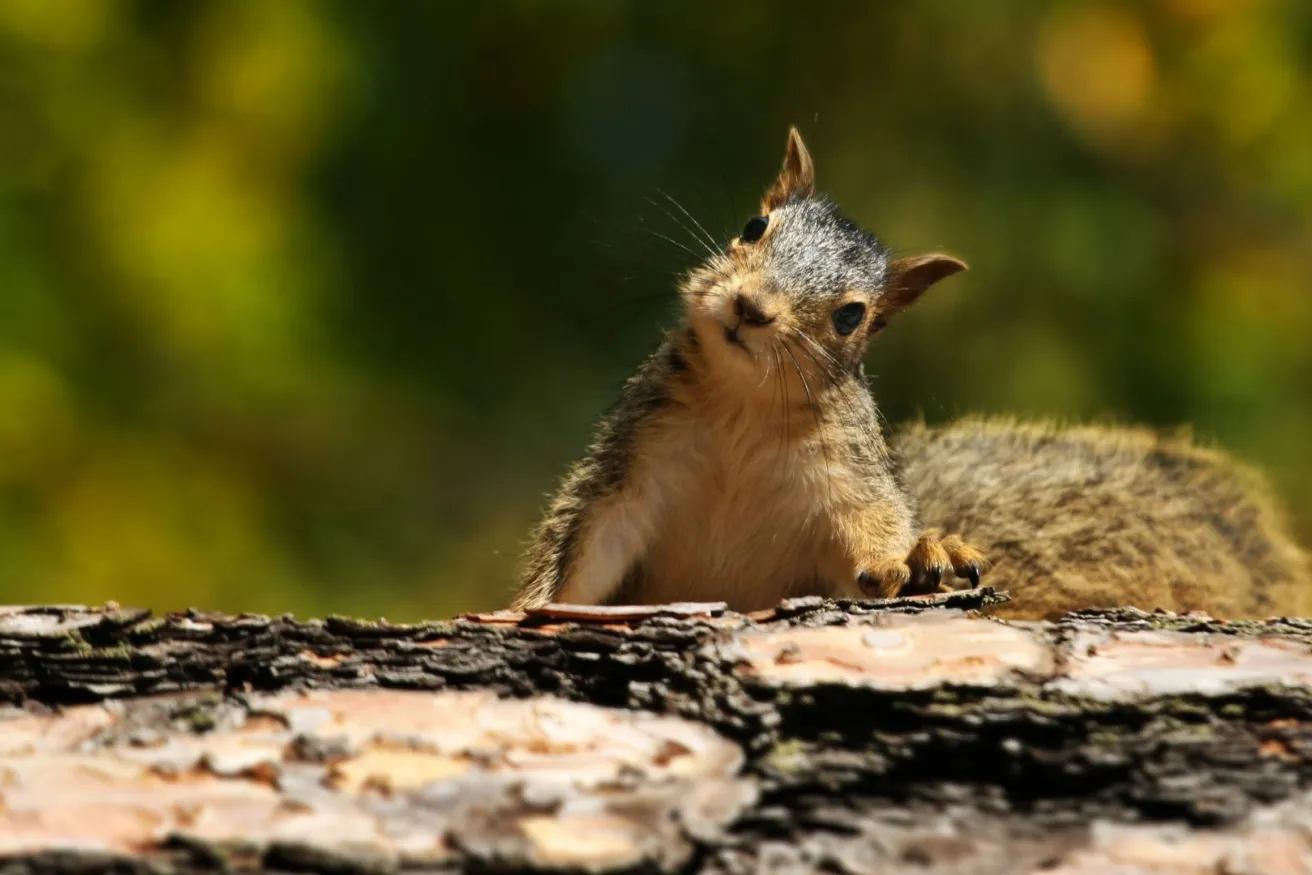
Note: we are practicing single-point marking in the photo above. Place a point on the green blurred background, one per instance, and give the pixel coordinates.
(305, 305)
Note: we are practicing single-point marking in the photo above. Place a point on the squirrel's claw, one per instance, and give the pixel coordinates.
(929, 563)
(925, 568)
(885, 580)
(967, 562)
(934, 556)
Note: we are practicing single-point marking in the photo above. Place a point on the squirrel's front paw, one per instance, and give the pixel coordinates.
(925, 567)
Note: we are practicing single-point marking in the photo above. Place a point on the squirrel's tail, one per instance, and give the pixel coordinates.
(1095, 516)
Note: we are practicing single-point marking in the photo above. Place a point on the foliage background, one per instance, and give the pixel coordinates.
(304, 305)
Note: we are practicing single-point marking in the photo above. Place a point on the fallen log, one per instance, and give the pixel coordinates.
(910, 735)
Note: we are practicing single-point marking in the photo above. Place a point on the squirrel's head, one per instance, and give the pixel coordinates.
(802, 288)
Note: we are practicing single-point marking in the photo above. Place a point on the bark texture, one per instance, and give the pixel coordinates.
(910, 735)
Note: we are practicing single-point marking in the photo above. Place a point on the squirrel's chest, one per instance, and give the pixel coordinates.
(741, 508)
(744, 472)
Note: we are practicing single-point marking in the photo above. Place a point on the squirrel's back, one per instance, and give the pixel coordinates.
(1091, 516)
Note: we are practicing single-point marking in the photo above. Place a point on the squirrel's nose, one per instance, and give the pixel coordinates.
(747, 310)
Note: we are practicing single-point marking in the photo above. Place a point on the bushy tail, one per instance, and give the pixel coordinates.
(1096, 516)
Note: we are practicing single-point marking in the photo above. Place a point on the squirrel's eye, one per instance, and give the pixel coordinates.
(755, 228)
(848, 317)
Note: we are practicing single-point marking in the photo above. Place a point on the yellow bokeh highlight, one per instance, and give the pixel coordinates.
(276, 70)
(1206, 11)
(1242, 80)
(60, 25)
(1097, 67)
(181, 217)
(151, 517)
(39, 420)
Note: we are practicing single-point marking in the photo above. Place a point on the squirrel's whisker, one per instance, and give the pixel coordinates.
(824, 368)
(831, 378)
(834, 371)
(824, 352)
(668, 239)
(815, 414)
(710, 239)
(783, 386)
(635, 228)
(783, 405)
(844, 398)
(766, 375)
(683, 227)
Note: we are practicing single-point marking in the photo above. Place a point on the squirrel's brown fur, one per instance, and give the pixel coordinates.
(1095, 516)
(744, 461)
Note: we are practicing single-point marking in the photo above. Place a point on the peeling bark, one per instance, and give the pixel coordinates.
(910, 735)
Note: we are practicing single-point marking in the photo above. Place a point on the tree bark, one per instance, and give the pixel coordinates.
(910, 735)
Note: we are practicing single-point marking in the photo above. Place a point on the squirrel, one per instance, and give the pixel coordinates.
(745, 462)
(1085, 516)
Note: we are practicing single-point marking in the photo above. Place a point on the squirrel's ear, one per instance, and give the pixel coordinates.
(908, 278)
(797, 176)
